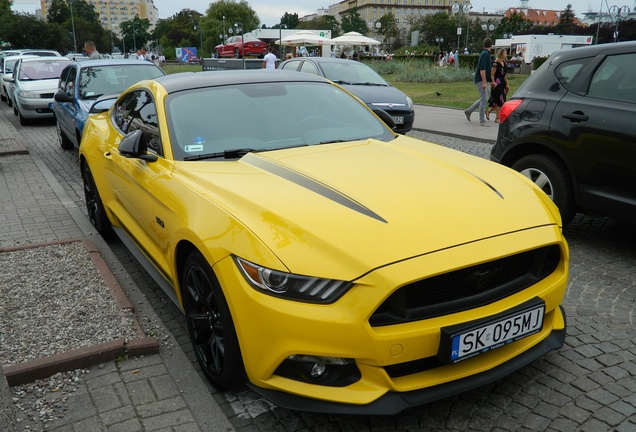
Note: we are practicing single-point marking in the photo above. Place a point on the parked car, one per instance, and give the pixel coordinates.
(363, 82)
(81, 84)
(240, 46)
(33, 85)
(8, 64)
(570, 128)
(336, 265)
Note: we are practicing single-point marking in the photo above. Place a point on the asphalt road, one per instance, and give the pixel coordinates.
(588, 385)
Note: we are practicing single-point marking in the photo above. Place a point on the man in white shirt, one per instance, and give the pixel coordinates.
(269, 61)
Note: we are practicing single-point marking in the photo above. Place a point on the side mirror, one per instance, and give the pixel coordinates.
(62, 97)
(385, 117)
(132, 146)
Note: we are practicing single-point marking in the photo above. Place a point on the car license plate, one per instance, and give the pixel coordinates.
(398, 119)
(468, 340)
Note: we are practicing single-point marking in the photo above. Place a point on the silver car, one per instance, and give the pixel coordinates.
(8, 63)
(33, 85)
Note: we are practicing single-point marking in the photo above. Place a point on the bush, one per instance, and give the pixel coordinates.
(538, 61)
(421, 70)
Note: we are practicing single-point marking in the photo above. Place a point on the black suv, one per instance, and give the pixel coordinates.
(571, 128)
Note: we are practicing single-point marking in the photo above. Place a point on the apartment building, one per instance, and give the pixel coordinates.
(114, 12)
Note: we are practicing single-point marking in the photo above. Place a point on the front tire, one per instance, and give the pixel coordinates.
(549, 174)
(210, 325)
(65, 142)
(237, 53)
(23, 120)
(96, 213)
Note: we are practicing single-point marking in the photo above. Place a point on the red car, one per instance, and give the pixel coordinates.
(235, 47)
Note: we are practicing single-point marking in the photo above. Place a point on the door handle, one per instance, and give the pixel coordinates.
(576, 116)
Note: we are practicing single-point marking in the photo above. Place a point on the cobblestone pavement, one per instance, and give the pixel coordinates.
(588, 385)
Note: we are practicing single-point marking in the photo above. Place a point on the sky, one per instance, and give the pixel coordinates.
(270, 11)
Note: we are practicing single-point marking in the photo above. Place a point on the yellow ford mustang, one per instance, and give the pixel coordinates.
(333, 264)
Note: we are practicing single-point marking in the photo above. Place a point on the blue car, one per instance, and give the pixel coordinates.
(82, 83)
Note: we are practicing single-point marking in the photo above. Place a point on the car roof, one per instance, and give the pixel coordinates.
(191, 80)
(326, 60)
(36, 58)
(115, 62)
(591, 50)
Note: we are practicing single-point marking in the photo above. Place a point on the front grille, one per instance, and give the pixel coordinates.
(467, 288)
(46, 95)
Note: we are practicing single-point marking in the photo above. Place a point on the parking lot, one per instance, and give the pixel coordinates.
(588, 385)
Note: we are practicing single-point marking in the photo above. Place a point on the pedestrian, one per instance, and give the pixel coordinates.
(162, 60)
(270, 61)
(456, 58)
(501, 88)
(140, 56)
(91, 50)
(483, 79)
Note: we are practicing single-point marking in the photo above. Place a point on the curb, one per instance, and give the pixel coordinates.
(44, 367)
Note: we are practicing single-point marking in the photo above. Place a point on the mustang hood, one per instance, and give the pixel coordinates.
(370, 202)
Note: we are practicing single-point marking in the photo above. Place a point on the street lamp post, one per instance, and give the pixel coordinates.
(73, 26)
(465, 9)
(618, 13)
(238, 28)
(280, 40)
(487, 27)
(439, 41)
(378, 26)
(134, 38)
(200, 39)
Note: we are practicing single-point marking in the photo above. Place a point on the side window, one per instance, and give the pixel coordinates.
(292, 65)
(615, 79)
(137, 111)
(567, 72)
(309, 67)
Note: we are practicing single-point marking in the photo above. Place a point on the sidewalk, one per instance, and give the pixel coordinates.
(452, 122)
(151, 392)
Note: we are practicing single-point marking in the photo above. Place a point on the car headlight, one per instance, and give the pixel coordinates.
(409, 102)
(291, 286)
(29, 94)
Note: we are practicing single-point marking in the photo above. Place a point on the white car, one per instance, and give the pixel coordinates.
(8, 63)
(33, 85)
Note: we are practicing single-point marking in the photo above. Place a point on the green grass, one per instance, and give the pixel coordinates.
(176, 68)
(459, 94)
(420, 81)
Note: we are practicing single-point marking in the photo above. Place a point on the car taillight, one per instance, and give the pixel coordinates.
(508, 108)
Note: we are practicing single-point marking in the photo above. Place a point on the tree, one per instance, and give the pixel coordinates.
(514, 24)
(325, 22)
(59, 12)
(135, 33)
(352, 21)
(388, 28)
(5, 7)
(171, 32)
(437, 26)
(289, 21)
(566, 21)
(26, 31)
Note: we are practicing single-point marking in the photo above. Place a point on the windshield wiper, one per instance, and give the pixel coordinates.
(226, 154)
(369, 83)
(342, 82)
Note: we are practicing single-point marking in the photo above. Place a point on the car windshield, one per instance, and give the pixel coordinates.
(263, 117)
(42, 69)
(351, 72)
(96, 81)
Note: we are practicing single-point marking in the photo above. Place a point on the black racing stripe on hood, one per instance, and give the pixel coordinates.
(491, 187)
(311, 184)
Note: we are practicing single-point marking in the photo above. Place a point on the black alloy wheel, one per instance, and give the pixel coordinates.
(549, 174)
(96, 213)
(210, 325)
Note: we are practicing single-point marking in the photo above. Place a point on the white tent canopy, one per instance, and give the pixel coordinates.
(354, 38)
(304, 37)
